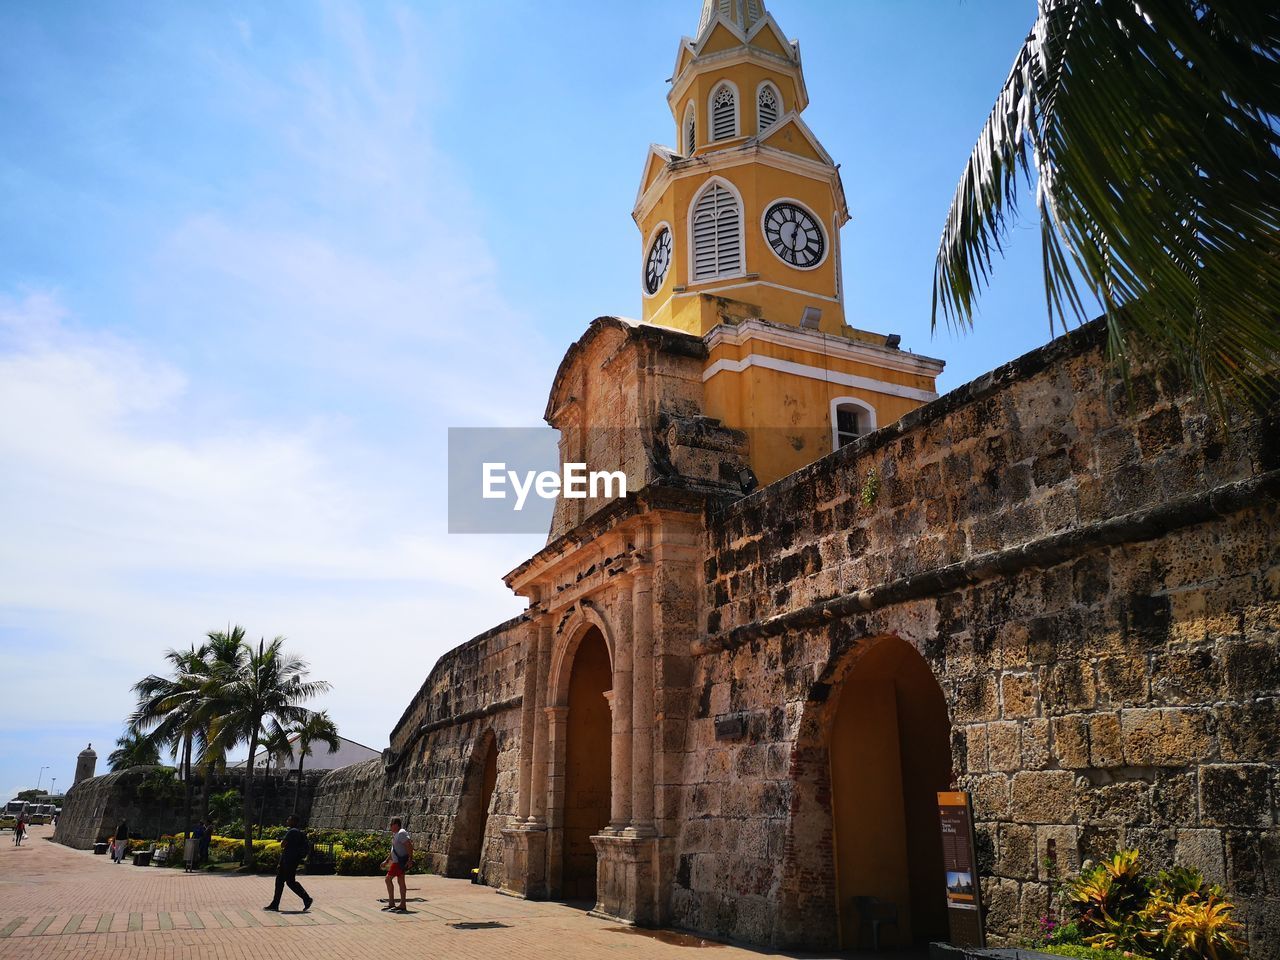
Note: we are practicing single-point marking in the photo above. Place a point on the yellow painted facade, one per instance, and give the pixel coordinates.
(740, 225)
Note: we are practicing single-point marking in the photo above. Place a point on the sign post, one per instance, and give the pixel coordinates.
(964, 896)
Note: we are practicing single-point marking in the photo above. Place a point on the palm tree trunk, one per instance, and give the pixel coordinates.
(297, 787)
(204, 800)
(186, 787)
(248, 800)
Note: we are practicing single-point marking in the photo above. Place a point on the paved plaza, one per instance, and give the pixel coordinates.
(59, 902)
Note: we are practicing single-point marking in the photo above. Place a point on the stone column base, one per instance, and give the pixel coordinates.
(524, 849)
(626, 879)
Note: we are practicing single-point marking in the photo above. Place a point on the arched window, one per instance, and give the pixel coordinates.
(690, 130)
(717, 233)
(850, 419)
(724, 113)
(768, 106)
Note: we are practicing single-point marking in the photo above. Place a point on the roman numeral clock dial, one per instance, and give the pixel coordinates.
(794, 235)
(657, 262)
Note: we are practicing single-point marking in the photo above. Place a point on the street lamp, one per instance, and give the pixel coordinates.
(53, 787)
(40, 777)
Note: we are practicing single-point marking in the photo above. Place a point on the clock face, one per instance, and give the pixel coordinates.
(657, 262)
(794, 235)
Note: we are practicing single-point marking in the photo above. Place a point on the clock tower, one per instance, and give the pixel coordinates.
(740, 227)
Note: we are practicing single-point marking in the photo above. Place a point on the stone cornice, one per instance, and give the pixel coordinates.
(825, 344)
(752, 151)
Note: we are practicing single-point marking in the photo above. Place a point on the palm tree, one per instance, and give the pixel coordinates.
(1150, 128)
(133, 750)
(171, 713)
(224, 654)
(318, 727)
(270, 686)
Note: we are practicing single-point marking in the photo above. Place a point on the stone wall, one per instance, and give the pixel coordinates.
(1093, 576)
(432, 777)
(94, 807)
(1089, 572)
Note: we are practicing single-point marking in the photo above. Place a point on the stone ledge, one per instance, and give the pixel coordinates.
(1146, 524)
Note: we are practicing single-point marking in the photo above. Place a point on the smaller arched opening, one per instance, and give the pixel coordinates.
(768, 106)
(690, 129)
(723, 110)
(470, 823)
(890, 754)
(851, 418)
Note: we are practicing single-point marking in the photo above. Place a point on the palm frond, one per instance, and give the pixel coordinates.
(1150, 133)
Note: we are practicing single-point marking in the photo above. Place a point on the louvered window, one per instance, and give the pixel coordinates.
(768, 108)
(717, 243)
(724, 116)
(690, 131)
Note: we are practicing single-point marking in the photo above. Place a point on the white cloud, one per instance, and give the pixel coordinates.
(257, 433)
(123, 538)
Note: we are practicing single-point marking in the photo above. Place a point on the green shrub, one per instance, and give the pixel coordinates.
(225, 807)
(357, 863)
(1174, 915)
(1075, 950)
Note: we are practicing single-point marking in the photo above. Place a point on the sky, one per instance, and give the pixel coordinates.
(257, 258)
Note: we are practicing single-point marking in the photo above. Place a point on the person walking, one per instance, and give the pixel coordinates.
(19, 830)
(398, 864)
(202, 834)
(121, 844)
(293, 850)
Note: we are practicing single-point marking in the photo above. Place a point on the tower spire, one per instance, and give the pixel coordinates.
(743, 14)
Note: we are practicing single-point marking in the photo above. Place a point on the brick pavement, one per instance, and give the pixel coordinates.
(56, 902)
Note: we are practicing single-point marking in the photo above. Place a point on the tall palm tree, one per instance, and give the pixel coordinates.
(224, 654)
(318, 727)
(133, 750)
(1149, 127)
(270, 686)
(171, 712)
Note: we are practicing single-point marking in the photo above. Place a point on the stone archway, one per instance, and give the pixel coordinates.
(890, 753)
(584, 807)
(872, 750)
(466, 841)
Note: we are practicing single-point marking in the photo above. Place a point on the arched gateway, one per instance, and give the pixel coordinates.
(874, 749)
(580, 798)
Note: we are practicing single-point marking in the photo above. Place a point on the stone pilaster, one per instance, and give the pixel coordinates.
(620, 702)
(538, 778)
(528, 720)
(642, 711)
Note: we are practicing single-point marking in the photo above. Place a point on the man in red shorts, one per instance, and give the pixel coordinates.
(398, 864)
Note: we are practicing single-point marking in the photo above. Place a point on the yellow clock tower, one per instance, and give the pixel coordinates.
(740, 225)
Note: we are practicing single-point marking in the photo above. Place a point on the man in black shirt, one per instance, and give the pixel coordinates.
(293, 849)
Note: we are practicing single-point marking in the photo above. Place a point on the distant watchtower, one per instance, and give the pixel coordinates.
(86, 763)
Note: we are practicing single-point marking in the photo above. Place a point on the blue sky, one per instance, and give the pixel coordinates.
(256, 258)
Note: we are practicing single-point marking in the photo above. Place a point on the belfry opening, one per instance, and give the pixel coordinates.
(587, 763)
(890, 754)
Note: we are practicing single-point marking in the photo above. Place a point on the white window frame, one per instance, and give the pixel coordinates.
(690, 121)
(711, 112)
(777, 96)
(865, 407)
(691, 276)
